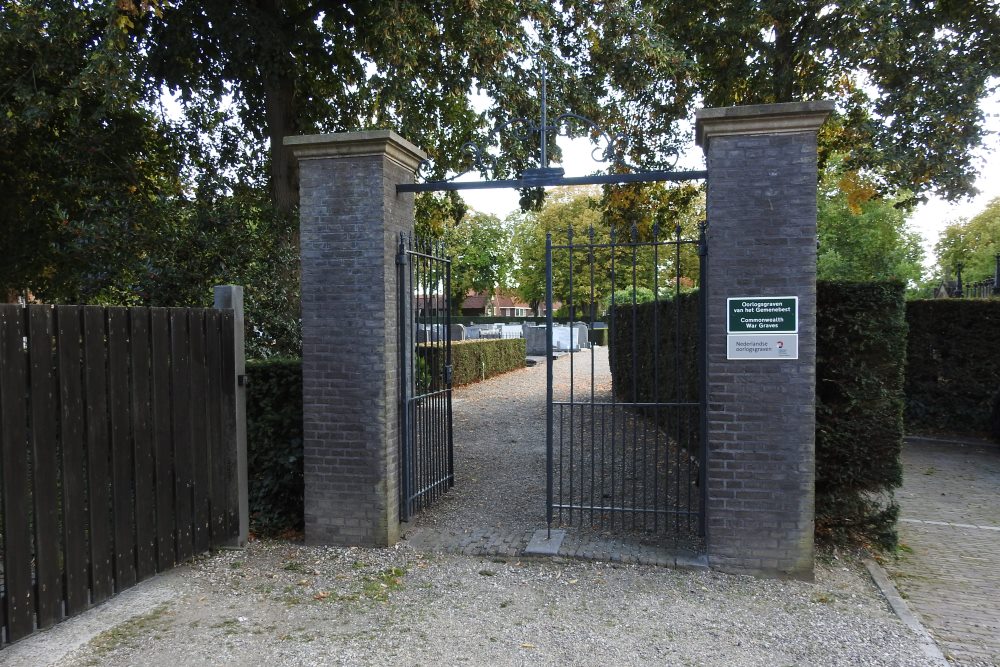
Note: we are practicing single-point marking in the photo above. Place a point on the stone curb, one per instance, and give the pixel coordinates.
(951, 440)
(900, 608)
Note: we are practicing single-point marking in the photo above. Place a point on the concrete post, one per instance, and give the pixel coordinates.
(761, 412)
(351, 217)
(231, 297)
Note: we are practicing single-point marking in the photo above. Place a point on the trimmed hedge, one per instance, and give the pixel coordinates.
(274, 445)
(598, 337)
(952, 365)
(633, 331)
(475, 360)
(861, 356)
(861, 351)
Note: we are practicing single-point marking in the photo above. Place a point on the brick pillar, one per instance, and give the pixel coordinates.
(761, 412)
(351, 217)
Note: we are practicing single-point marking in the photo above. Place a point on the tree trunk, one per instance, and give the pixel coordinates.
(281, 122)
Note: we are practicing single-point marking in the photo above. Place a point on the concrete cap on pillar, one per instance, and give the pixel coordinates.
(356, 144)
(781, 118)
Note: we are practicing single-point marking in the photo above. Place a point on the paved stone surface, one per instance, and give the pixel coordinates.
(949, 529)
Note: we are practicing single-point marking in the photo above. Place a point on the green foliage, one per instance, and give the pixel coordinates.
(644, 365)
(972, 244)
(481, 259)
(952, 365)
(598, 337)
(861, 345)
(907, 76)
(864, 237)
(623, 297)
(861, 338)
(475, 360)
(85, 167)
(274, 445)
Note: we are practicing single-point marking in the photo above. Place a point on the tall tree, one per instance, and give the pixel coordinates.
(863, 236)
(292, 66)
(481, 257)
(907, 75)
(972, 244)
(85, 167)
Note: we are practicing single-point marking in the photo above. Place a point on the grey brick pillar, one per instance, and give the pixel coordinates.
(761, 412)
(351, 218)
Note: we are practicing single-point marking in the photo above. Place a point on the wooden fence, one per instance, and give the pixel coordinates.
(117, 452)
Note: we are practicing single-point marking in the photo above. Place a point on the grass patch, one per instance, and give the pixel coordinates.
(379, 586)
(127, 632)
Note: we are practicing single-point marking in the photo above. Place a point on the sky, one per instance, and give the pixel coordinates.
(928, 219)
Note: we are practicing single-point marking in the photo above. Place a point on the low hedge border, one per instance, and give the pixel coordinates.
(476, 360)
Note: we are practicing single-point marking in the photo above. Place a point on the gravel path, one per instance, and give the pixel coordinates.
(421, 603)
(498, 500)
(282, 604)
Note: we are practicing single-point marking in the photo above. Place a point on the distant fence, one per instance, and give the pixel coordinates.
(118, 456)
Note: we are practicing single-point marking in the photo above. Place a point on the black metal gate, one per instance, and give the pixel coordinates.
(426, 461)
(625, 418)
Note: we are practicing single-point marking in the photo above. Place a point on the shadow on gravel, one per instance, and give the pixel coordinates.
(498, 500)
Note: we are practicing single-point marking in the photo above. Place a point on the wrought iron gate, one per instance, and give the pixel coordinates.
(426, 461)
(624, 422)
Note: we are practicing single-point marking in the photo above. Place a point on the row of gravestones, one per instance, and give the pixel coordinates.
(565, 338)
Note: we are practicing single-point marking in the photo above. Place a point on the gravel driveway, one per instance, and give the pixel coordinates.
(286, 604)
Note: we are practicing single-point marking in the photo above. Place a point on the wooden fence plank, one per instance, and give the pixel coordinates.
(199, 429)
(75, 553)
(229, 425)
(45, 466)
(142, 431)
(95, 350)
(166, 547)
(15, 470)
(213, 358)
(122, 468)
(181, 417)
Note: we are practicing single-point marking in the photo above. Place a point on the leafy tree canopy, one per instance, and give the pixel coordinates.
(907, 75)
(481, 258)
(972, 244)
(863, 237)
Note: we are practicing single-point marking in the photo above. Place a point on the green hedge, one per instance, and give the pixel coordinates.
(861, 355)
(274, 445)
(861, 348)
(633, 336)
(952, 365)
(475, 360)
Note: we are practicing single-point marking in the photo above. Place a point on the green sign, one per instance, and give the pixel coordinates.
(763, 314)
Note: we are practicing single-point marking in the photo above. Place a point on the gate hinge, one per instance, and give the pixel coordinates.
(448, 374)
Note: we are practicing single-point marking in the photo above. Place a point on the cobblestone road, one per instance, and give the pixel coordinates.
(950, 532)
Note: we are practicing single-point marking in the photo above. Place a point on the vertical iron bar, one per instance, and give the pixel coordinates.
(593, 410)
(677, 374)
(703, 375)
(450, 377)
(613, 348)
(570, 310)
(404, 429)
(656, 377)
(545, 121)
(548, 381)
(635, 366)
